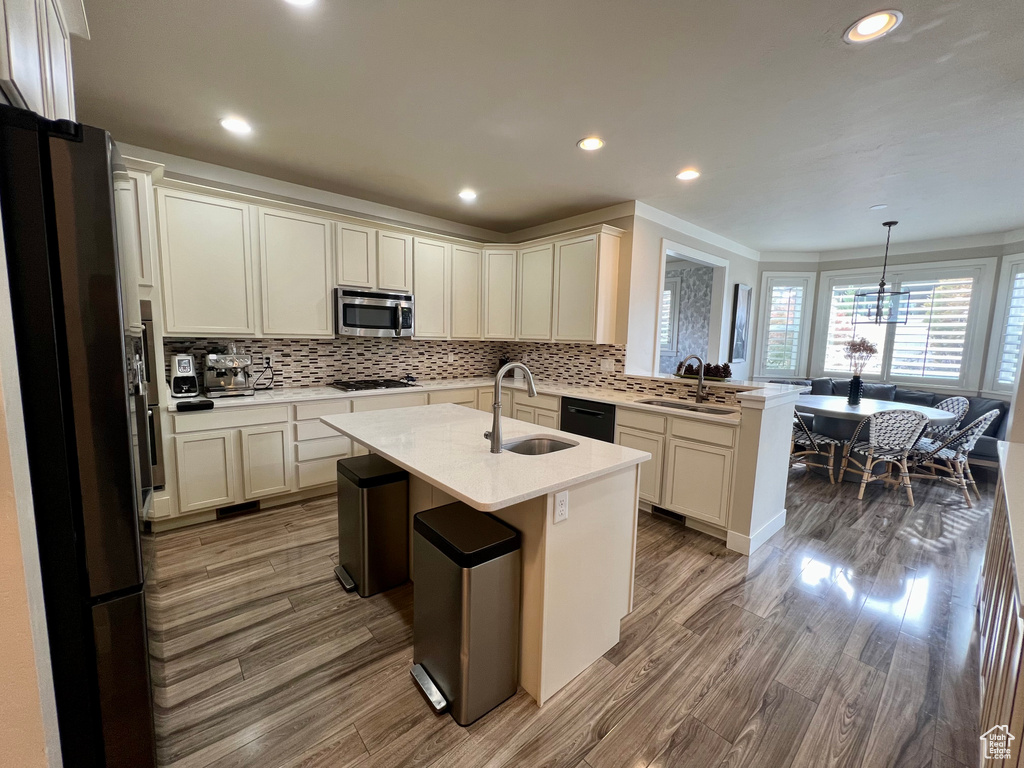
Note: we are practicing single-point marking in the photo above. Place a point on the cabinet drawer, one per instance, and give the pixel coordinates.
(321, 449)
(319, 472)
(228, 418)
(544, 402)
(466, 397)
(706, 433)
(382, 402)
(313, 430)
(326, 408)
(649, 422)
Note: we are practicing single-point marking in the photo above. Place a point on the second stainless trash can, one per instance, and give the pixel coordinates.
(373, 524)
(466, 592)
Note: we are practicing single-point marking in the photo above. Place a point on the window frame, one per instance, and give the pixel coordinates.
(785, 279)
(1010, 266)
(673, 285)
(979, 313)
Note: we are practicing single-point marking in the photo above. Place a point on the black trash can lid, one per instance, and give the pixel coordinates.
(466, 536)
(370, 471)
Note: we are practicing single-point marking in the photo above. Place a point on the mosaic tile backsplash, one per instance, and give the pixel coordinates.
(316, 362)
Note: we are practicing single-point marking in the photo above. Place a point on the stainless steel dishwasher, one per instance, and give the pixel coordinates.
(587, 418)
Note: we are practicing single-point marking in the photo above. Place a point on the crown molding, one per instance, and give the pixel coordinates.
(658, 216)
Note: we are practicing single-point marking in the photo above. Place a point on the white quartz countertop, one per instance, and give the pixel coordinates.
(445, 445)
(760, 397)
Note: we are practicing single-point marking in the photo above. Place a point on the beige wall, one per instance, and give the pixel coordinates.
(22, 740)
(645, 293)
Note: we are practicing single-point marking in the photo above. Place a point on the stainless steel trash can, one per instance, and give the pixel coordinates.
(466, 593)
(373, 524)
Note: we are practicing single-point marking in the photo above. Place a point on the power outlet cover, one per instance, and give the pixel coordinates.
(561, 507)
(607, 365)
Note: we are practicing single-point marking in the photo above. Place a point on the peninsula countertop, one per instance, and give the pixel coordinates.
(445, 445)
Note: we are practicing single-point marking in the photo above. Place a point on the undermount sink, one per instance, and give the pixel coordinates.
(683, 406)
(536, 446)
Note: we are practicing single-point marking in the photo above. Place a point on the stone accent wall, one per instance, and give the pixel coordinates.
(693, 315)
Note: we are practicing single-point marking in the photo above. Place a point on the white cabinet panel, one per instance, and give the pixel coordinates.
(296, 261)
(266, 465)
(699, 481)
(499, 294)
(330, 447)
(206, 469)
(544, 418)
(62, 96)
(394, 262)
(127, 230)
(466, 286)
(650, 471)
(466, 397)
(357, 256)
(430, 287)
(576, 289)
(319, 472)
(485, 401)
(536, 275)
(22, 55)
(206, 254)
(522, 413)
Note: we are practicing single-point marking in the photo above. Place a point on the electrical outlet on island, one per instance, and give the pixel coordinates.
(561, 507)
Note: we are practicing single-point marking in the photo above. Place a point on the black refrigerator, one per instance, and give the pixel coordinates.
(84, 400)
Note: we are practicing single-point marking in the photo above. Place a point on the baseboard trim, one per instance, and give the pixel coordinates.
(746, 545)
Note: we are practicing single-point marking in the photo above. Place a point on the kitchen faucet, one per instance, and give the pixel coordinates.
(495, 434)
(700, 375)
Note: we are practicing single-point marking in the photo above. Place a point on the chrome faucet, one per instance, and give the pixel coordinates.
(495, 434)
(700, 375)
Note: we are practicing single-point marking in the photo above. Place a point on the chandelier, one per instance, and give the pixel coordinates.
(883, 306)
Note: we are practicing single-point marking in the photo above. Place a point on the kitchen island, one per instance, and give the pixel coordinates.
(577, 573)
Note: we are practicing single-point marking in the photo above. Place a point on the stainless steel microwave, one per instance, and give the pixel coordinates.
(358, 312)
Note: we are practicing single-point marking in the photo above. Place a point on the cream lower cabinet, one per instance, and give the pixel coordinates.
(318, 446)
(266, 465)
(485, 401)
(464, 397)
(650, 471)
(698, 481)
(541, 410)
(206, 469)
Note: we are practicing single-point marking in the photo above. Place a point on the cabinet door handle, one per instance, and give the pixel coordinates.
(585, 411)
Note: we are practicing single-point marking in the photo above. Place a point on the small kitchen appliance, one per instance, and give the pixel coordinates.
(184, 382)
(227, 375)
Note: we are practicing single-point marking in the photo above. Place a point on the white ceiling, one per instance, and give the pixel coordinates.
(406, 102)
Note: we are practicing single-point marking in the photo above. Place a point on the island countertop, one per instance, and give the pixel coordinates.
(445, 445)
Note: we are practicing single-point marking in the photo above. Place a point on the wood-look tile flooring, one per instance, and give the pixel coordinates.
(846, 641)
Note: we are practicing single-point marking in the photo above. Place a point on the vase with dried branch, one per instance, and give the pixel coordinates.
(858, 352)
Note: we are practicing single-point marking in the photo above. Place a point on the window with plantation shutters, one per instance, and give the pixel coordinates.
(1008, 329)
(841, 329)
(783, 329)
(931, 345)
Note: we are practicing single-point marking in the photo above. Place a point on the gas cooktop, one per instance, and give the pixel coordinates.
(362, 384)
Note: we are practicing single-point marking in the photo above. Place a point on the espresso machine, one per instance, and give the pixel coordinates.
(227, 375)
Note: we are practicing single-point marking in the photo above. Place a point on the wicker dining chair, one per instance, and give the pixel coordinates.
(812, 444)
(891, 436)
(949, 455)
(958, 406)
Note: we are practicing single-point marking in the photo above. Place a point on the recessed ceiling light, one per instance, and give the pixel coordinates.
(873, 26)
(879, 207)
(468, 195)
(590, 143)
(235, 125)
(688, 174)
(300, 2)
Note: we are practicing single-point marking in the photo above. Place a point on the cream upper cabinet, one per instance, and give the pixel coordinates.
(576, 289)
(430, 288)
(61, 99)
(499, 294)
(133, 209)
(296, 261)
(356, 256)
(394, 262)
(466, 299)
(536, 273)
(128, 242)
(23, 56)
(206, 259)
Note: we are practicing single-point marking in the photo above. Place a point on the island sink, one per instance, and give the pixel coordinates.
(537, 446)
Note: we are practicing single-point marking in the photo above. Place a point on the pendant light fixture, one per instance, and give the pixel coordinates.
(882, 307)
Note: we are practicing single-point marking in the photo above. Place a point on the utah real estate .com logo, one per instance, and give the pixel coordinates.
(996, 743)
